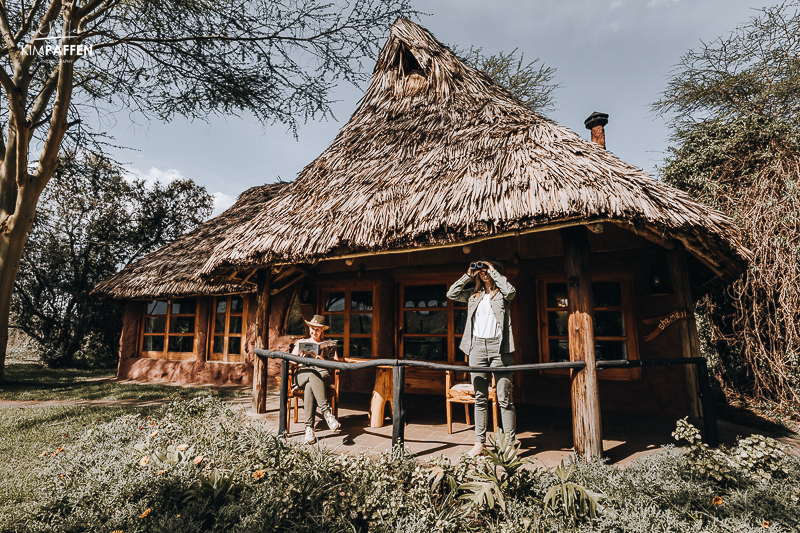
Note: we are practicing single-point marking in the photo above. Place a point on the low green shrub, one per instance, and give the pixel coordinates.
(199, 466)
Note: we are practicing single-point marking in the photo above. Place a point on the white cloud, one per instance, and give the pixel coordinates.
(659, 3)
(614, 27)
(155, 174)
(222, 202)
(616, 3)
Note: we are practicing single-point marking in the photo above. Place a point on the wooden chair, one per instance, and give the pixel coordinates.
(459, 389)
(295, 392)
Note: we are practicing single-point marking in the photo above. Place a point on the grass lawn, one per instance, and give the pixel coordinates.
(28, 432)
(33, 382)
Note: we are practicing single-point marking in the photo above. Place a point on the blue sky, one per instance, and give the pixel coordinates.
(613, 56)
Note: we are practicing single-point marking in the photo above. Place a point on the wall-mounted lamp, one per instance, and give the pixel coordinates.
(349, 261)
(466, 249)
(306, 294)
(659, 283)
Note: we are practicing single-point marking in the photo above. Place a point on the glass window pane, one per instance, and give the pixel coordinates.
(219, 344)
(153, 343)
(557, 295)
(334, 301)
(155, 324)
(184, 307)
(559, 350)
(425, 322)
(557, 322)
(361, 300)
(237, 304)
(610, 351)
(609, 324)
(425, 296)
(361, 323)
(157, 307)
(425, 348)
(295, 325)
(460, 318)
(183, 343)
(336, 322)
(219, 324)
(181, 324)
(236, 324)
(361, 348)
(607, 294)
(222, 305)
(234, 345)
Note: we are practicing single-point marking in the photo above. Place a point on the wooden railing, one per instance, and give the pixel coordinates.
(710, 434)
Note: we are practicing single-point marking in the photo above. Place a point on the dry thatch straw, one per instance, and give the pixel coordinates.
(173, 270)
(437, 153)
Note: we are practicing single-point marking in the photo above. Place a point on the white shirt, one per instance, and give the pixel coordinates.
(485, 325)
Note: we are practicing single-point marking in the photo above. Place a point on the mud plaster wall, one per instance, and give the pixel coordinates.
(196, 370)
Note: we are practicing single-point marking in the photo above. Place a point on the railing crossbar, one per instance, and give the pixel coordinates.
(398, 413)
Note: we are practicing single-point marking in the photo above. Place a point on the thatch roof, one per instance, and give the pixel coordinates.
(172, 271)
(438, 153)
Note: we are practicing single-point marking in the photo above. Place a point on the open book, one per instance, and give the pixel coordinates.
(322, 350)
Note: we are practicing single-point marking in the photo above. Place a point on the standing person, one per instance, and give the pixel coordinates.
(488, 340)
(314, 380)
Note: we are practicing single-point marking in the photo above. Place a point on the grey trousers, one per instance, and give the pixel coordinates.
(314, 382)
(486, 353)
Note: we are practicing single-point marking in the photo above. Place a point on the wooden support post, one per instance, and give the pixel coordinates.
(260, 367)
(282, 418)
(587, 432)
(398, 409)
(710, 434)
(690, 342)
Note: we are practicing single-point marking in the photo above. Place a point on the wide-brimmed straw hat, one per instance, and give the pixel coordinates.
(495, 263)
(318, 321)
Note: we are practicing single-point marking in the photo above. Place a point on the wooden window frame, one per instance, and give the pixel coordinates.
(344, 348)
(631, 337)
(166, 354)
(225, 355)
(428, 279)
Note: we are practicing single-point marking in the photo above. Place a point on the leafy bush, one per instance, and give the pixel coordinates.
(199, 466)
(756, 457)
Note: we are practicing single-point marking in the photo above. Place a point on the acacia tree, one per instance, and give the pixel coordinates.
(531, 82)
(90, 220)
(62, 61)
(734, 105)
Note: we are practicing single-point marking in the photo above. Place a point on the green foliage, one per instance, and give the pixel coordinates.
(756, 457)
(243, 478)
(489, 484)
(575, 501)
(761, 457)
(216, 486)
(704, 462)
(755, 70)
(532, 83)
(748, 168)
(90, 221)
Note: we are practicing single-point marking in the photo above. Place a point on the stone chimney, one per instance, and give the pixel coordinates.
(595, 122)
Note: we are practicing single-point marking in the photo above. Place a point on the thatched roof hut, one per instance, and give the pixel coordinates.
(172, 271)
(438, 154)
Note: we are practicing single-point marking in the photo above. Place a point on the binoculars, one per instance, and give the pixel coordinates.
(479, 265)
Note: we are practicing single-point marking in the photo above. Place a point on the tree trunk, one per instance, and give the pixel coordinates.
(587, 430)
(12, 244)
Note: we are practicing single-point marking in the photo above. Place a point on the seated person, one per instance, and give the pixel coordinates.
(314, 380)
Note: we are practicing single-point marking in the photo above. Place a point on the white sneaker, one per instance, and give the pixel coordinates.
(333, 424)
(310, 437)
(476, 450)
